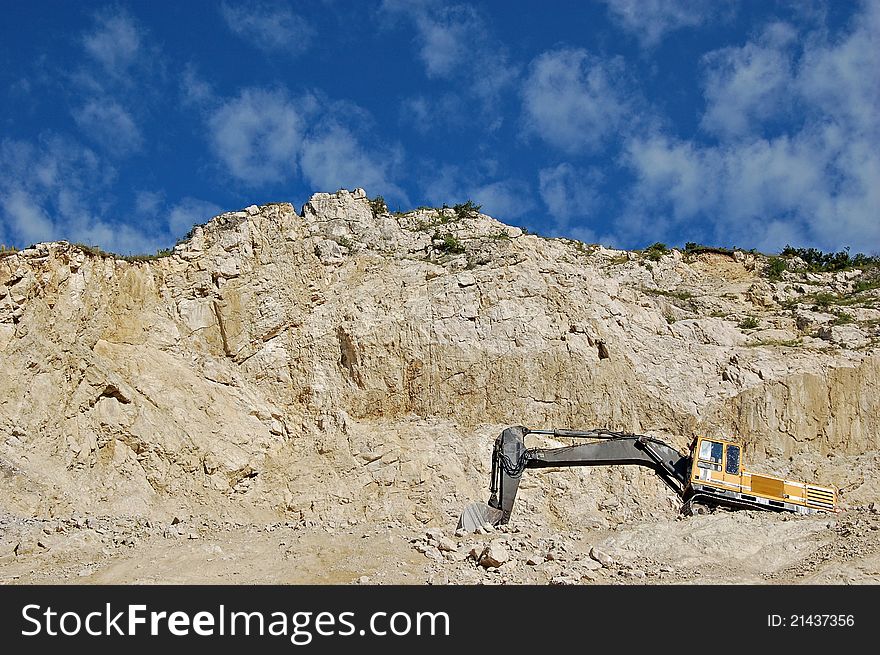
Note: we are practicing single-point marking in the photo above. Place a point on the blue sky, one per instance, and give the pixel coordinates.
(750, 124)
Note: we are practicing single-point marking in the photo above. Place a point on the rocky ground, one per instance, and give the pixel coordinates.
(742, 547)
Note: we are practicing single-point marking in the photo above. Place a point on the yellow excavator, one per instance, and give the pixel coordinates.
(710, 475)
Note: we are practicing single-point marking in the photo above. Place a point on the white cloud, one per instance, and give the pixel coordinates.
(333, 158)
(840, 79)
(188, 212)
(679, 172)
(115, 43)
(747, 192)
(24, 219)
(56, 189)
(455, 43)
(418, 112)
(504, 199)
(112, 235)
(426, 114)
(569, 192)
(651, 20)
(747, 85)
(574, 101)
(587, 235)
(271, 27)
(810, 179)
(831, 81)
(178, 218)
(194, 89)
(264, 136)
(257, 135)
(107, 123)
(118, 81)
(444, 39)
(148, 202)
(444, 184)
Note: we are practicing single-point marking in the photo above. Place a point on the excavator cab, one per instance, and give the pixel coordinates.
(716, 468)
(716, 459)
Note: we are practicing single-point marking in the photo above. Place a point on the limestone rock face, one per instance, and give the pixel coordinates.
(339, 363)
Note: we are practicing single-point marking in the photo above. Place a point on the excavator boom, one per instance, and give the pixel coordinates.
(510, 458)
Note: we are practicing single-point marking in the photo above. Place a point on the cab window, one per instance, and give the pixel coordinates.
(711, 450)
(732, 460)
(710, 455)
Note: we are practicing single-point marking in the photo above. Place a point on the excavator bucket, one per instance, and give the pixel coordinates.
(476, 515)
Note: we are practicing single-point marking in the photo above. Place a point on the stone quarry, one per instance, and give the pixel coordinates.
(312, 396)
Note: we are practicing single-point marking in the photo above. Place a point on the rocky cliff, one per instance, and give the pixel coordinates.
(343, 363)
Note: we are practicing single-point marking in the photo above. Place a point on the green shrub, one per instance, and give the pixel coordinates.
(693, 248)
(824, 299)
(678, 295)
(818, 261)
(189, 235)
(378, 205)
(449, 244)
(466, 209)
(748, 323)
(95, 251)
(866, 285)
(775, 267)
(655, 251)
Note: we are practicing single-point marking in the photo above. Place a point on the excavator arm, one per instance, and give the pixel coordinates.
(510, 458)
